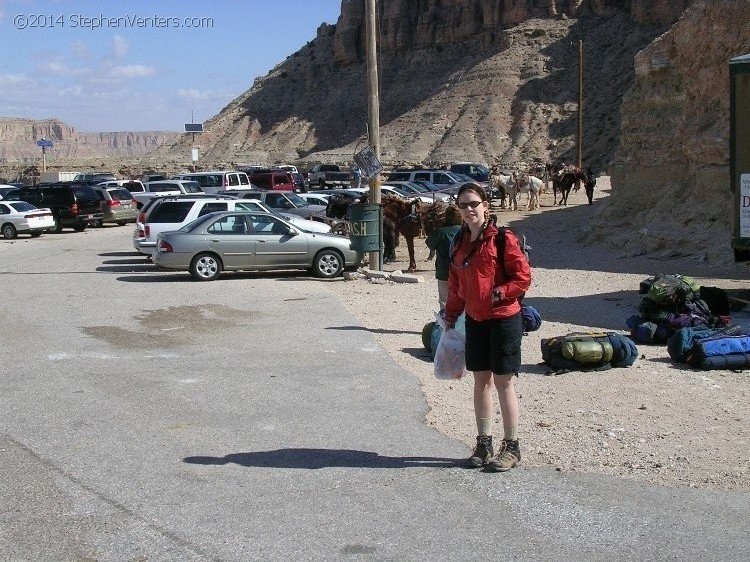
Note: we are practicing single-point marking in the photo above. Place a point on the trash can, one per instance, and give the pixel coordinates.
(364, 227)
(739, 154)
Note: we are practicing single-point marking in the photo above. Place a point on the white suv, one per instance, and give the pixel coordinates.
(172, 213)
(216, 182)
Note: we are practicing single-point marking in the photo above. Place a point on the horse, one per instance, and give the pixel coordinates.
(531, 185)
(499, 184)
(405, 217)
(338, 205)
(563, 182)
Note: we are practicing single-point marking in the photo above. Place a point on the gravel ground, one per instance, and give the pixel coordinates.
(655, 421)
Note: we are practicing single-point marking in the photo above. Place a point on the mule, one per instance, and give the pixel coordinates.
(531, 185)
(405, 216)
(564, 181)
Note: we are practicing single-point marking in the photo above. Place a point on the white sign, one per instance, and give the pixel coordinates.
(368, 163)
(745, 205)
(195, 154)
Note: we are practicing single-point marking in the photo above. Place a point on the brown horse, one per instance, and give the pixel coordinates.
(563, 182)
(405, 216)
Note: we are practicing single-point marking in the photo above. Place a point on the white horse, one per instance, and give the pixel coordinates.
(531, 185)
(500, 183)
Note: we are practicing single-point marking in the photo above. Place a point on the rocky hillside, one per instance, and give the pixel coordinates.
(670, 174)
(460, 79)
(18, 141)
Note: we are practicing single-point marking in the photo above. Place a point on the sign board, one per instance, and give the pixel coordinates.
(745, 205)
(193, 127)
(44, 143)
(195, 154)
(368, 163)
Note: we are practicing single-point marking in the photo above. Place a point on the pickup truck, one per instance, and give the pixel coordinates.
(165, 187)
(328, 175)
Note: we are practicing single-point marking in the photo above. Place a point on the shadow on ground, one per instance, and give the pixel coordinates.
(322, 458)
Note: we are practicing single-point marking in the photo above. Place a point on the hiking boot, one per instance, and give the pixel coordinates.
(482, 453)
(507, 457)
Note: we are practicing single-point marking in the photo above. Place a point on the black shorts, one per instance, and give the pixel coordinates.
(494, 345)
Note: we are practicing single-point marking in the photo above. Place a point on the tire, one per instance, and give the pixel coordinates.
(35, 234)
(205, 267)
(57, 229)
(122, 223)
(328, 264)
(80, 226)
(321, 183)
(9, 231)
(99, 223)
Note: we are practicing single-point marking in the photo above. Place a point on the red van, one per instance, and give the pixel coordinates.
(272, 180)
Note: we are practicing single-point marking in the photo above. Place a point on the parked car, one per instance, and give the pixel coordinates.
(162, 188)
(72, 204)
(272, 180)
(217, 181)
(442, 178)
(153, 177)
(22, 217)
(418, 190)
(117, 204)
(133, 186)
(247, 241)
(5, 189)
(477, 172)
(324, 175)
(287, 202)
(316, 198)
(93, 178)
(172, 213)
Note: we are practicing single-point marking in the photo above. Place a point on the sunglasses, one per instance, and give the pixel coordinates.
(472, 204)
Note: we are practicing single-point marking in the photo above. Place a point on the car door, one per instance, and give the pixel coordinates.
(229, 237)
(275, 247)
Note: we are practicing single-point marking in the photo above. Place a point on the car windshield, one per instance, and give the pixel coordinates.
(427, 185)
(400, 190)
(417, 187)
(297, 200)
(22, 206)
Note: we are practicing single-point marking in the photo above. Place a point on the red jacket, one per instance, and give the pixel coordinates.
(475, 271)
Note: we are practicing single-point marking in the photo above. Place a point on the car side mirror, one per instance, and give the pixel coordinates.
(293, 232)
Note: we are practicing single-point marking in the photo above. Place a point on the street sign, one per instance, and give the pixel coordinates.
(368, 163)
(193, 127)
(44, 143)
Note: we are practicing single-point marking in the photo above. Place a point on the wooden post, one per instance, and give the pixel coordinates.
(373, 116)
(580, 104)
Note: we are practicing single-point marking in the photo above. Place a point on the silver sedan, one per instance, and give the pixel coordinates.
(250, 241)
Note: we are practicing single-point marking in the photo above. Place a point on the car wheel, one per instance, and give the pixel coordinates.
(205, 267)
(97, 223)
(35, 234)
(321, 184)
(328, 264)
(80, 227)
(57, 229)
(122, 223)
(9, 231)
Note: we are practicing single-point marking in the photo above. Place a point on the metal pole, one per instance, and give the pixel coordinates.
(580, 104)
(373, 117)
(44, 159)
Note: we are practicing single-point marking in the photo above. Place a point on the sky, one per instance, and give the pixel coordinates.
(133, 65)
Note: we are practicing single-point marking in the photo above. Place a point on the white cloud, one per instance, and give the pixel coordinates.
(194, 94)
(119, 47)
(12, 79)
(131, 71)
(80, 49)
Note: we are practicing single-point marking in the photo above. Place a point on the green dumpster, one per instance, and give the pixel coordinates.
(364, 227)
(739, 154)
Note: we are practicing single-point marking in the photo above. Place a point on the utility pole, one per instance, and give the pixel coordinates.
(373, 114)
(580, 104)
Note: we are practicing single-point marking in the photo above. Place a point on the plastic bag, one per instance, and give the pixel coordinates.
(450, 355)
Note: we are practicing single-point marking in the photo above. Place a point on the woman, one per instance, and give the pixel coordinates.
(440, 241)
(487, 287)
